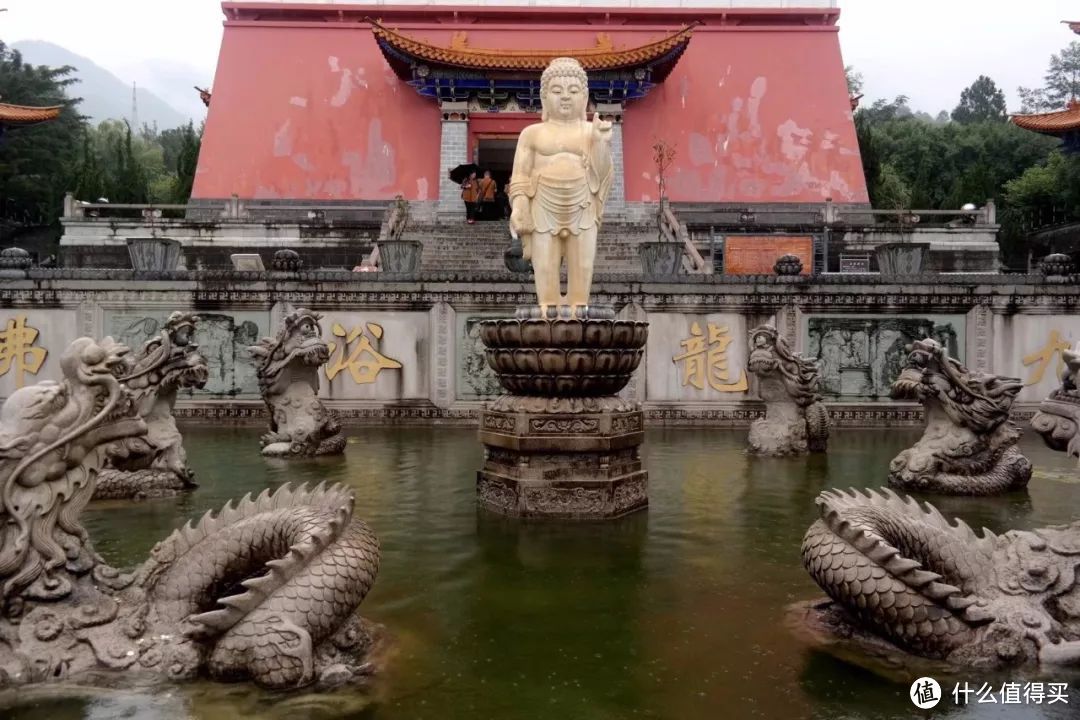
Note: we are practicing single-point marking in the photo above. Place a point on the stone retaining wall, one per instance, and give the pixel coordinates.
(693, 372)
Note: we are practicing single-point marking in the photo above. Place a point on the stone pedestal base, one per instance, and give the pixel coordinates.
(574, 466)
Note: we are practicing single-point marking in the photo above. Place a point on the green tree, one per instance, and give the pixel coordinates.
(1063, 76)
(128, 181)
(854, 80)
(186, 160)
(982, 101)
(172, 144)
(37, 163)
(914, 163)
(144, 149)
(1033, 100)
(1062, 83)
(890, 190)
(884, 110)
(1046, 192)
(90, 178)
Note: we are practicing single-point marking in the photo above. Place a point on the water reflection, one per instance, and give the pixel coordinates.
(673, 613)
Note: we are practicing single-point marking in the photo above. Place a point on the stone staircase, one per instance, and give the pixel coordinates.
(460, 247)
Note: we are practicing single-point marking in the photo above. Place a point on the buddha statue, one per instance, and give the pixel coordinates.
(561, 178)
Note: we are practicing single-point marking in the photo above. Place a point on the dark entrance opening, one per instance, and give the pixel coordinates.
(496, 153)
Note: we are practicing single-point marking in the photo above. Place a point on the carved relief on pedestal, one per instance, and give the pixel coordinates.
(496, 496)
(630, 494)
(566, 501)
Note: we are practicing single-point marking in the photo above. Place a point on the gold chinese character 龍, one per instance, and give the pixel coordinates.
(705, 360)
(364, 363)
(17, 348)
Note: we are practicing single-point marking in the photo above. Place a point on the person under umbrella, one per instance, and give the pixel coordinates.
(470, 195)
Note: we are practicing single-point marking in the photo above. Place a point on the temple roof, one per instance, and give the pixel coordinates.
(604, 56)
(1052, 123)
(1074, 25)
(25, 115)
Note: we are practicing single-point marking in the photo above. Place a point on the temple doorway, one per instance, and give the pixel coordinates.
(496, 153)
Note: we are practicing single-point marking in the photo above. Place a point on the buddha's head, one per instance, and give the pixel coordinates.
(564, 90)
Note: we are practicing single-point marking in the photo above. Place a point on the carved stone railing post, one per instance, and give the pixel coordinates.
(72, 207)
(234, 209)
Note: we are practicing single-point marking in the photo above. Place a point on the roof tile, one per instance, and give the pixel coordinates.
(1052, 123)
(602, 57)
(24, 115)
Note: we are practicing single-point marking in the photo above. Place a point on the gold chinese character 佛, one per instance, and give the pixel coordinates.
(17, 350)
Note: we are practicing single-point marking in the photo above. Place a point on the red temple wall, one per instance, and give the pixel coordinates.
(313, 112)
(754, 117)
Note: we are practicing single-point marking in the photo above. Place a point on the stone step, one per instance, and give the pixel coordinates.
(461, 247)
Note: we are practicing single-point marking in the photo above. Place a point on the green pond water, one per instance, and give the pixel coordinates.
(677, 612)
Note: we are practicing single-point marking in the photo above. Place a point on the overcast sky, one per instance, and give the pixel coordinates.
(926, 49)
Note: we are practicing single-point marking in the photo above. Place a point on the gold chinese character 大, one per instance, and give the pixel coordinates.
(705, 360)
(1041, 358)
(17, 350)
(364, 362)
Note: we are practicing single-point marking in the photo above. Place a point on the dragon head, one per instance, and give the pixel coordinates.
(1070, 377)
(978, 401)
(298, 346)
(1058, 419)
(169, 361)
(54, 437)
(771, 358)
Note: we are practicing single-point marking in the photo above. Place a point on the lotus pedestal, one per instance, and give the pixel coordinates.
(561, 444)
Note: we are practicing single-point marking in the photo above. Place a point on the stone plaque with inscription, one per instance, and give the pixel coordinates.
(757, 254)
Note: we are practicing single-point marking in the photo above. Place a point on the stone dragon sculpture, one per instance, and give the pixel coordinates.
(288, 372)
(1058, 418)
(969, 445)
(903, 578)
(266, 590)
(167, 363)
(796, 420)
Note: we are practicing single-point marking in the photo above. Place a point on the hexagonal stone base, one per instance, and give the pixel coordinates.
(580, 466)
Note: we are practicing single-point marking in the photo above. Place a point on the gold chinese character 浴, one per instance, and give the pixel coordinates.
(705, 360)
(364, 363)
(1054, 347)
(16, 345)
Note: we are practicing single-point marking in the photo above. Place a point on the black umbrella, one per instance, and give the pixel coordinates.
(462, 172)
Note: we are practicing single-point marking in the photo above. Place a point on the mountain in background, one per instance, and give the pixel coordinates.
(104, 95)
(173, 82)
